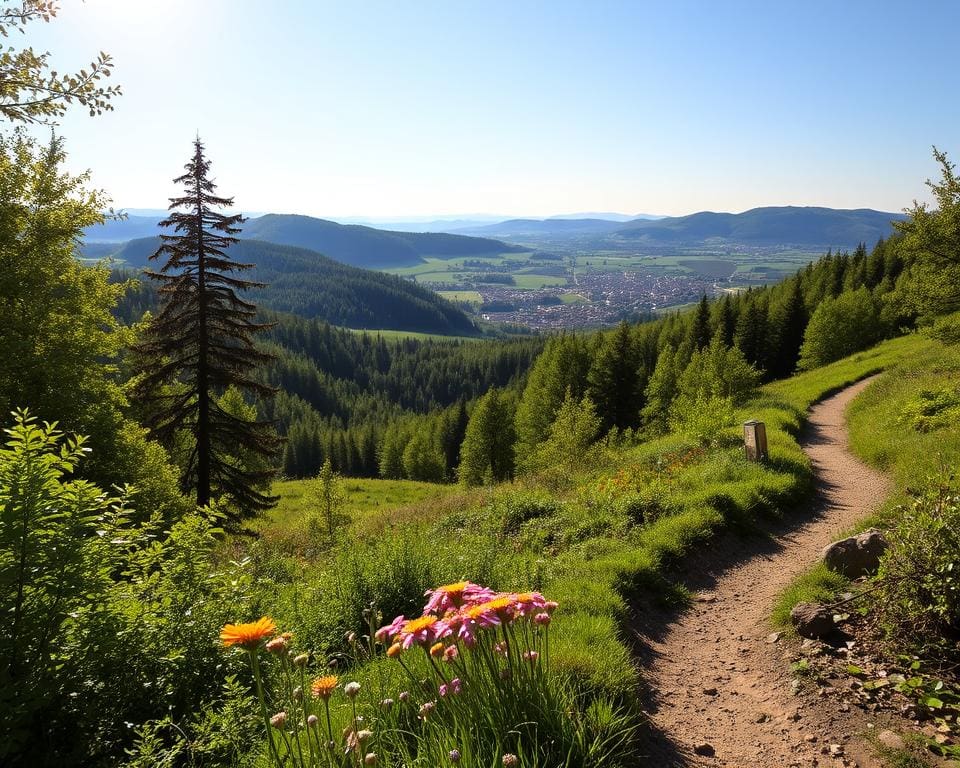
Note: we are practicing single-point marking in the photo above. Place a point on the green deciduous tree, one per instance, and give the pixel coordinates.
(56, 327)
(840, 327)
(661, 389)
(716, 379)
(30, 91)
(932, 239)
(199, 344)
(572, 433)
(423, 459)
(59, 340)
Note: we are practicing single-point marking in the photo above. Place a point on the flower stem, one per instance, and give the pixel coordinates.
(255, 665)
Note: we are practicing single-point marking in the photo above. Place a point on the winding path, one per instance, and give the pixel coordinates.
(716, 676)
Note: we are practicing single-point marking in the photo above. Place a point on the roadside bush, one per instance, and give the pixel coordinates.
(106, 622)
(932, 409)
(945, 329)
(515, 508)
(918, 597)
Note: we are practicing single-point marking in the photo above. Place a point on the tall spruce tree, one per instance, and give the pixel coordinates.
(790, 322)
(199, 344)
(614, 380)
(700, 331)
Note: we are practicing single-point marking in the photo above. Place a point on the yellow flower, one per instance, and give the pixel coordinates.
(453, 589)
(416, 625)
(498, 605)
(323, 687)
(248, 636)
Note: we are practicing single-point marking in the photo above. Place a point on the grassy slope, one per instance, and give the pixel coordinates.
(881, 436)
(707, 494)
(594, 538)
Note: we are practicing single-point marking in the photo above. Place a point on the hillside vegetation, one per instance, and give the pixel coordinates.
(310, 285)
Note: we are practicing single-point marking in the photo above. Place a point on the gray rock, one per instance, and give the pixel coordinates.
(857, 555)
(812, 620)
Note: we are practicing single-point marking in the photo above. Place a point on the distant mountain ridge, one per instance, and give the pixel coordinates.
(811, 228)
(774, 225)
(351, 244)
(788, 226)
(308, 284)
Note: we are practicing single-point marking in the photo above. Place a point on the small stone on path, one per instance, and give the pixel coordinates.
(891, 740)
(704, 750)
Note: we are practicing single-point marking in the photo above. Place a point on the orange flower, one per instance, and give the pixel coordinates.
(394, 650)
(418, 625)
(248, 636)
(499, 606)
(323, 687)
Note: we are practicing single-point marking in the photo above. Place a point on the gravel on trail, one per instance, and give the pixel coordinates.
(720, 689)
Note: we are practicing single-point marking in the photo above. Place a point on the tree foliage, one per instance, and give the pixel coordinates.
(32, 92)
(932, 239)
(839, 327)
(199, 344)
(486, 455)
(572, 433)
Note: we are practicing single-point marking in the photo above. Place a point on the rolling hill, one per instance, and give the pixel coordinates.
(771, 226)
(786, 226)
(308, 284)
(352, 244)
(545, 227)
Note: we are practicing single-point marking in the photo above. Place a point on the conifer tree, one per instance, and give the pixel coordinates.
(751, 335)
(486, 455)
(661, 389)
(727, 320)
(615, 383)
(700, 332)
(561, 367)
(199, 344)
(790, 322)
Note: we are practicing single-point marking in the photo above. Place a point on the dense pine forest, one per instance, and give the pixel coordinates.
(358, 399)
(238, 530)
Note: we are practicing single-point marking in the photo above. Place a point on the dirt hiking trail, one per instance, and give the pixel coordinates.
(717, 680)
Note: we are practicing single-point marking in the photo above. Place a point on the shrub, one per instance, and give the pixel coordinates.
(918, 597)
(945, 329)
(515, 508)
(100, 610)
(932, 409)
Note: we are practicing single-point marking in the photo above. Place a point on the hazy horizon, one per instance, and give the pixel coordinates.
(388, 112)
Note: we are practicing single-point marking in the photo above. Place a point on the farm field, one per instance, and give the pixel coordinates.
(391, 335)
(568, 289)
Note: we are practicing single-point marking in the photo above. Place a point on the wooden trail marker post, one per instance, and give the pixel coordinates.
(755, 440)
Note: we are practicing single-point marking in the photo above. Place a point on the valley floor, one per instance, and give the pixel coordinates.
(719, 679)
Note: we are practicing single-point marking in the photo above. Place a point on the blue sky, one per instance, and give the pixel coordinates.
(389, 109)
